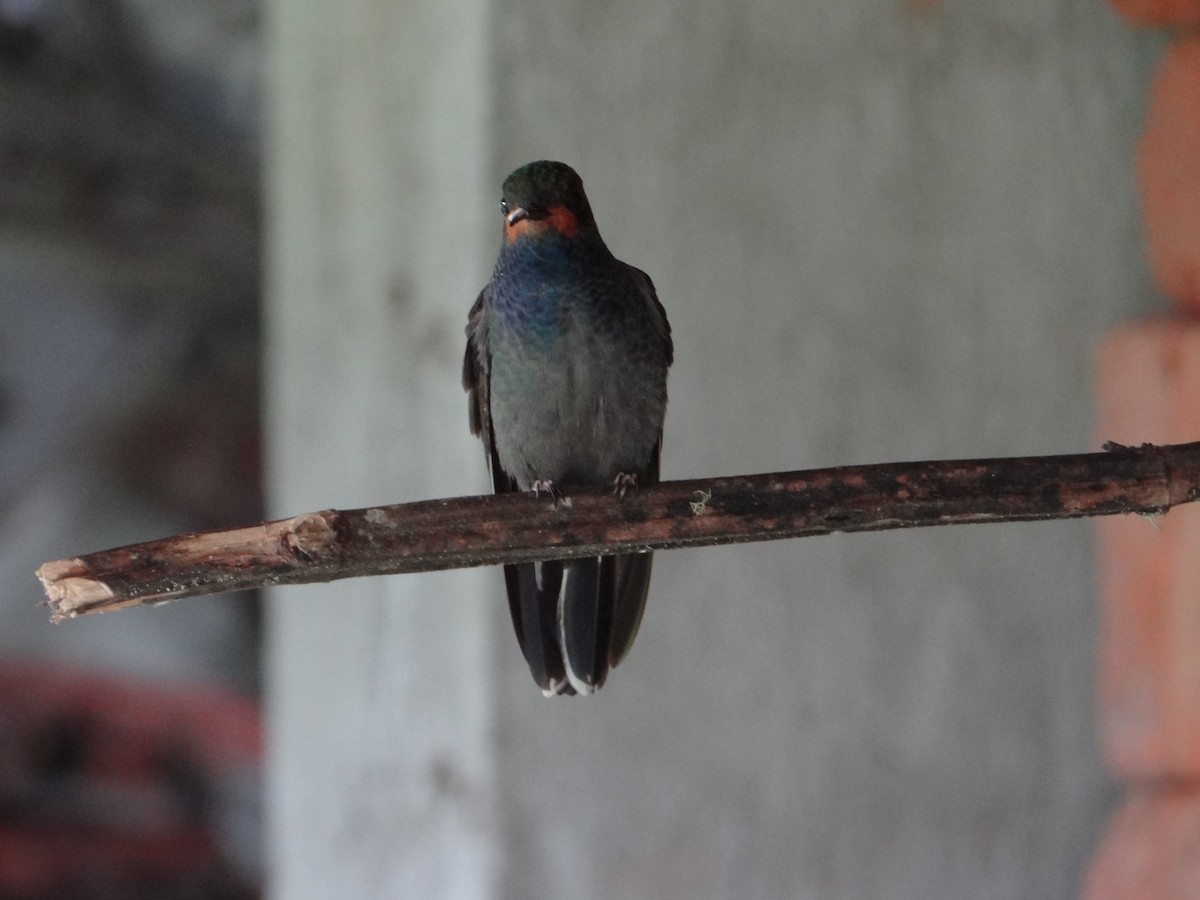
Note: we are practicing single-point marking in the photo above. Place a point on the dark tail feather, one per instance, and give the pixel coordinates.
(587, 604)
(632, 574)
(533, 593)
(576, 620)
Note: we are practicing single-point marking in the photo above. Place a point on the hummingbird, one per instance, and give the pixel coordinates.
(566, 376)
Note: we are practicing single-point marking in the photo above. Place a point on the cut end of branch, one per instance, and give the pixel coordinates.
(199, 563)
(69, 591)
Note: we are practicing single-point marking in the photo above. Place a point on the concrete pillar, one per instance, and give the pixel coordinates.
(380, 690)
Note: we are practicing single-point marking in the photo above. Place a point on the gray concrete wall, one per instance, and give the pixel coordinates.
(381, 691)
(881, 232)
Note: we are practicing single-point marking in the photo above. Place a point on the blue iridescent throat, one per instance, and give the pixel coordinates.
(537, 278)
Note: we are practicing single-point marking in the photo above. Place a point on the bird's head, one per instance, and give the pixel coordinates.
(544, 197)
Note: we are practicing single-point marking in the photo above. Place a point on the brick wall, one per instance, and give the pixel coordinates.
(1148, 385)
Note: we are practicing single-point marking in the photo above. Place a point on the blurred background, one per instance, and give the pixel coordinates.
(882, 231)
(129, 408)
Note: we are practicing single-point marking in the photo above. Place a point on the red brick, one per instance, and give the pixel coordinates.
(1150, 849)
(1148, 382)
(1168, 164)
(1159, 13)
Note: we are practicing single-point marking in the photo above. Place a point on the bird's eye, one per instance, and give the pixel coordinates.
(504, 206)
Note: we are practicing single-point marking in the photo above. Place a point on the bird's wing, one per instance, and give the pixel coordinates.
(628, 576)
(532, 588)
(658, 315)
(476, 375)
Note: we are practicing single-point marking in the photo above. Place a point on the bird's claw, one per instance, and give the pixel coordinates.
(623, 482)
(544, 485)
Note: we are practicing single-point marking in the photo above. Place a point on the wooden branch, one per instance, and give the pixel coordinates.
(474, 531)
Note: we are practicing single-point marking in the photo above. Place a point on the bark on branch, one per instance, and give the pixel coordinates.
(475, 531)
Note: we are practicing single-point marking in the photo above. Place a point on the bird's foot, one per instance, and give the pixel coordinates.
(623, 482)
(545, 485)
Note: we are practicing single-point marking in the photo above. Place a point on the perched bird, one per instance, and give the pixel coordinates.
(566, 374)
